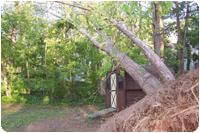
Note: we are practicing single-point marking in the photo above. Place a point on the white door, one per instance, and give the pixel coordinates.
(113, 90)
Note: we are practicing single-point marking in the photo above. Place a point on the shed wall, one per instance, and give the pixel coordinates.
(128, 90)
(133, 92)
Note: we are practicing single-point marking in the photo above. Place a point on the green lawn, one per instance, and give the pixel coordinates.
(17, 116)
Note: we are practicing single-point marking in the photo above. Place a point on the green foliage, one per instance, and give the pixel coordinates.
(166, 7)
(48, 61)
(137, 55)
(171, 59)
(61, 69)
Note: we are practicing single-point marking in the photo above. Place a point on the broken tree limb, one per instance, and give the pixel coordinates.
(101, 113)
(156, 61)
(147, 81)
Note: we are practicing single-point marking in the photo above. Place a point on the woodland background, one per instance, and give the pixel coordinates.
(46, 60)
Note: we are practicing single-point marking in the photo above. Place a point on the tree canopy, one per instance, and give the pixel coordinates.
(45, 56)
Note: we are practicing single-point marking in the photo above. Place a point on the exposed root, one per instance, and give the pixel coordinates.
(174, 108)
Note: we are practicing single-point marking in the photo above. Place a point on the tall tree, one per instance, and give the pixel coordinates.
(179, 41)
(158, 29)
(185, 31)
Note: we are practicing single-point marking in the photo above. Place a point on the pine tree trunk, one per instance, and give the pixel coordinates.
(164, 73)
(147, 81)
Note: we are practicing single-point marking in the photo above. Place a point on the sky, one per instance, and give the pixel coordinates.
(53, 8)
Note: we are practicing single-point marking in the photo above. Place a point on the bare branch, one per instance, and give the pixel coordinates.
(83, 8)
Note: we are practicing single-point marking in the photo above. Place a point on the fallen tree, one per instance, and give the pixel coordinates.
(159, 109)
(146, 80)
(164, 72)
(172, 108)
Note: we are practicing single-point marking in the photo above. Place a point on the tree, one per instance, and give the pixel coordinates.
(179, 41)
(185, 30)
(134, 70)
(162, 69)
(52, 56)
(146, 80)
(164, 72)
(184, 13)
(158, 29)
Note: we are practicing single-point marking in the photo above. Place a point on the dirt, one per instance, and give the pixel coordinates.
(76, 120)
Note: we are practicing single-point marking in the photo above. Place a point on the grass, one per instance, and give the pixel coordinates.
(18, 117)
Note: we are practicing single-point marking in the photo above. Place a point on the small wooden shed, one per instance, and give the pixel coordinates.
(122, 91)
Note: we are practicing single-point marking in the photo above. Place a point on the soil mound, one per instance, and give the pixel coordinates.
(175, 107)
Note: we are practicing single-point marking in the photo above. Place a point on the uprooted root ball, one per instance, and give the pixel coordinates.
(174, 108)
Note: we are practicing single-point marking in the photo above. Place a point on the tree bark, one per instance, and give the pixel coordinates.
(179, 42)
(147, 81)
(185, 43)
(158, 29)
(164, 73)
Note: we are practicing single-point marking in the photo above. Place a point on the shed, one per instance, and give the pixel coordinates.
(123, 91)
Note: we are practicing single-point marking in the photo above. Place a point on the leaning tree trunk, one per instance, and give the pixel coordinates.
(147, 81)
(163, 71)
(158, 29)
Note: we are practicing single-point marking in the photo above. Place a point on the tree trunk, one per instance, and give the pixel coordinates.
(179, 42)
(45, 60)
(158, 29)
(185, 43)
(164, 73)
(8, 87)
(146, 80)
(27, 70)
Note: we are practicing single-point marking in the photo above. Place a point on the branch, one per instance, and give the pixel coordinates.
(55, 15)
(83, 8)
(92, 39)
